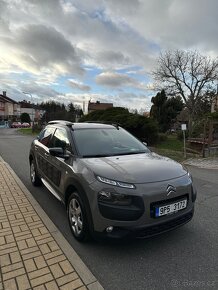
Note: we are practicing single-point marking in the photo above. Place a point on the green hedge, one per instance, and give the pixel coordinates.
(141, 127)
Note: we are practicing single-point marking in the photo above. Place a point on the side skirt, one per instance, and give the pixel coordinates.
(51, 189)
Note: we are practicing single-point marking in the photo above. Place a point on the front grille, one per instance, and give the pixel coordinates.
(130, 212)
(166, 226)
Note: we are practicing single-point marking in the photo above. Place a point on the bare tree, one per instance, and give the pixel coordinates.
(188, 74)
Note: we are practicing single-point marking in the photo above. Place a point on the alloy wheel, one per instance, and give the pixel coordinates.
(75, 216)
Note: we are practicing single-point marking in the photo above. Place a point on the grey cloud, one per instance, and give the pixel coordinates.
(111, 79)
(118, 80)
(4, 23)
(112, 59)
(78, 85)
(173, 23)
(44, 47)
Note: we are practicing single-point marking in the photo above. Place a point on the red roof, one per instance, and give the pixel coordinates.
(99, 106)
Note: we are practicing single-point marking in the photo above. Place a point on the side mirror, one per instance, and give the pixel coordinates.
(145, 143)
(59, 152)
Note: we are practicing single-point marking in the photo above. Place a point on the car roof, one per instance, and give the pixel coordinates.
(85, 125)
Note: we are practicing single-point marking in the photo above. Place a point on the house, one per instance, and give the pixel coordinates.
(98, 106)
(9, 109)
(34, 111)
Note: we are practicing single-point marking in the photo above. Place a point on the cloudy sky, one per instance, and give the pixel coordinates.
(77, 50)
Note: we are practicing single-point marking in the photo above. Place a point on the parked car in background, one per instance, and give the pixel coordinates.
(16, 125)
(111, 183)
(25, 125)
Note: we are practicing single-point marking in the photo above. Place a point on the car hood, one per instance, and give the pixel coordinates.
(136, 168)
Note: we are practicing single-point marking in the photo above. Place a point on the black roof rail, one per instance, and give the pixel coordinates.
(61, 122)
(116, 125)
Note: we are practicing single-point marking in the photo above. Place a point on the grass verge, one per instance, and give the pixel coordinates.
(173, 148)
(175, 155)
(27, 131)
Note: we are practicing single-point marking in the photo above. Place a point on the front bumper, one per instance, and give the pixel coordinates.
(125, 222)
(148, 231)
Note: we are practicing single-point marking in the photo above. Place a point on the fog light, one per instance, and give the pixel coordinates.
(109, 229)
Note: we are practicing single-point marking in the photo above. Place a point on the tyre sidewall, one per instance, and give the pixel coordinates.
(37, 181)
(84, 235)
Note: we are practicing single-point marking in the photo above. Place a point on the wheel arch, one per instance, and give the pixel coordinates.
(74, 185)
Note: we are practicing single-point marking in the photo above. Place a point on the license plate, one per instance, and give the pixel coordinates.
(170, 208)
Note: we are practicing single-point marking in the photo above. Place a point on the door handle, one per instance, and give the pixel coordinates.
(46, 155)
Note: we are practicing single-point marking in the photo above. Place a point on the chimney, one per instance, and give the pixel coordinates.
(4, 93)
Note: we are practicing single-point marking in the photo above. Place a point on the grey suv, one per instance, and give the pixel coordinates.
(110, 182)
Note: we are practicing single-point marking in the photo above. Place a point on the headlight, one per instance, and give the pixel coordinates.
(115, 183)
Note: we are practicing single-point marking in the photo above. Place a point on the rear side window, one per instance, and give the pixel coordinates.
(45, 136)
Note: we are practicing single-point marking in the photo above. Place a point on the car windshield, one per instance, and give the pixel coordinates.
(107, 142)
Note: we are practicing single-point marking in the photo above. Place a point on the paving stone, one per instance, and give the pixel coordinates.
(30, 265)
(66, 267)
(72, 285)
(10, 284)
(30, 258)
(52, 286)
(15, 257)
(23, 282)
(5, 260)
(11, 267)
(40, 262)
(41, 280)
(13, 274)
(56, 271)
(39, 273)
(67, 278)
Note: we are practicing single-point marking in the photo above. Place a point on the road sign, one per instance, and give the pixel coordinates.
(184, 128)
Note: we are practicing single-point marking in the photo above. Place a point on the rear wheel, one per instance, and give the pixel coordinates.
(77, 217)
(35, 179)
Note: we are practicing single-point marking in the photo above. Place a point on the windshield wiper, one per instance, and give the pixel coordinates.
(130, 153)
(97, 155)
(114, 154)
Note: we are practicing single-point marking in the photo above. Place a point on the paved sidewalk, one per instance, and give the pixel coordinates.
(207, 163)
(33, 253)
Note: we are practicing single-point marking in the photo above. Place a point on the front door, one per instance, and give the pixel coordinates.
(59, 165)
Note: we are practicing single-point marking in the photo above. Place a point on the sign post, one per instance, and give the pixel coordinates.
(184, 129)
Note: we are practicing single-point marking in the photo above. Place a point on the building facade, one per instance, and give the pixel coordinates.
(9, 109)
(98, 106)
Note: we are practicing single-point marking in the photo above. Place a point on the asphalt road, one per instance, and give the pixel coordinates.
(186, 258)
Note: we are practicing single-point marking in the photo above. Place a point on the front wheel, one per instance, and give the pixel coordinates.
(35, 179)
(77, 217)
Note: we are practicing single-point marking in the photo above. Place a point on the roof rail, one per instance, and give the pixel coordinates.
(61, 122)
(116, 125)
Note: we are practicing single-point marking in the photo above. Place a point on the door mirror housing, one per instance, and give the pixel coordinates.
(59, 152)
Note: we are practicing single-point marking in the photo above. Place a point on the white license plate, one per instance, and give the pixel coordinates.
(170, 208)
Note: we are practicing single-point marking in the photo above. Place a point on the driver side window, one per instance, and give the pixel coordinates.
(60, 139)
(45, 136)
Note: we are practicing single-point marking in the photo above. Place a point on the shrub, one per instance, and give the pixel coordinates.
(162, 137)
(141, 127)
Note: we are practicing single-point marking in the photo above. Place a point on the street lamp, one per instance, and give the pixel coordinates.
(26, 93)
